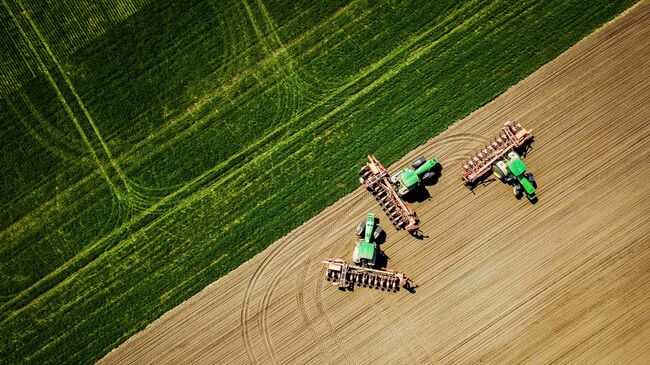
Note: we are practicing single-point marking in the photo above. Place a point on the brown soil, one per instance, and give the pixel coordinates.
(499, 280)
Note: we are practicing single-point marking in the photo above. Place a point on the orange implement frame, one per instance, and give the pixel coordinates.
(344, 275)
(511, 136)
(377, 180)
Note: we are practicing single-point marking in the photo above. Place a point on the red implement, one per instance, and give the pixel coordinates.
(344, 275)
(376, 179)
(511, 136)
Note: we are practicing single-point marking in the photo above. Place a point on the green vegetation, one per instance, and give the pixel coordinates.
(149, 149)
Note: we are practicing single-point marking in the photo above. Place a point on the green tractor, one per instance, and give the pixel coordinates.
(512, 170)
(365, 251)
(410, 178)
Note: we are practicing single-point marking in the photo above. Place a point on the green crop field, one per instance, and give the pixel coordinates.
(150, 147)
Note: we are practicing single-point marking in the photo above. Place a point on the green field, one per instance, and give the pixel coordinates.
(149, 148)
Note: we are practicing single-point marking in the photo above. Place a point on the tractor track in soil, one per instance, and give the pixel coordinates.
(301, 299)
(301, 302)
(500, 280)
(320, 307)
(266, 302)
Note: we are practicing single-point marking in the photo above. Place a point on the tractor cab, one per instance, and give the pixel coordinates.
(365, 254)
(365, 250)
(410, 178)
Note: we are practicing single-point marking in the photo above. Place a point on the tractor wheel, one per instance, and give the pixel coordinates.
(516, 189)
(531, 178)
(427, 176)
(378, 231)
(361, 229)
(499, 172)
(417, 163)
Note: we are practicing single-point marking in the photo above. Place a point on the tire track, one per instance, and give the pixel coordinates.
(59, 93)
(266, 303)
(270, 291)
(301, 300)
(332, 332)
(49, 146)
(247, 298)
(400, 335)
(323, 313)
(81, 104)
(317, 299)
(131, 197)
(432, 148)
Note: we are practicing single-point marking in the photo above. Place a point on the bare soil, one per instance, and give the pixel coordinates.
(498, 280)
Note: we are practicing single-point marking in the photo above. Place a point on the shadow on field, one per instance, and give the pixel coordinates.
(382, 260)
(409, 288)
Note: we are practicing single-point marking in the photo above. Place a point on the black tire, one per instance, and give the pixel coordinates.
(531, 178)
(417, 163)
(361, 229)
(498, 172)
(518, 191)
(378, 231)
(427, 176)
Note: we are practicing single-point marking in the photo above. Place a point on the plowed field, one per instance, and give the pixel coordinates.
(498, 279)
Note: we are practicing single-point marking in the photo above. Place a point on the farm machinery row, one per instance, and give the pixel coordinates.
(499, 157)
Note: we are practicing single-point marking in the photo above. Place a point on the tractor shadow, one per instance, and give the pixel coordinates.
(525, 148)
(382, 260)
(421, 194)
